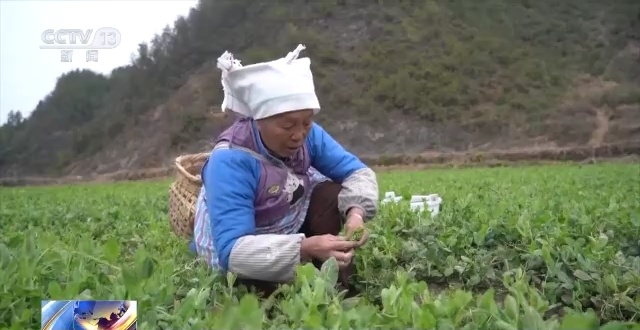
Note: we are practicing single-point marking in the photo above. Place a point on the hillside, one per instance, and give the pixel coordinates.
(393, 77)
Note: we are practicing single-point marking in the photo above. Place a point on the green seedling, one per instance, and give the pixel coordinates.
(355, 236)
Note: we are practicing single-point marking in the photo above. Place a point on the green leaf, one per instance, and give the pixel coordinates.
(577, 321)
(349, 303)
(448, 271)
(231, 279)
(130, 279)
(330, 270)
(5, 256)
(305, 273)
(55, 291)
(248, 304)
(610, 281)
(562, 276)
(147, 267)
(614, 325)
(511, 307)
(505, 326)
(111, 250)
(581, 275)
(488, 303)
(474, 280)
(26, 314)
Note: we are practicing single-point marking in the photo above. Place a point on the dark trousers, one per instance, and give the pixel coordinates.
(322, 218)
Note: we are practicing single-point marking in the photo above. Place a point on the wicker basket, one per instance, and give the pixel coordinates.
(183, 193)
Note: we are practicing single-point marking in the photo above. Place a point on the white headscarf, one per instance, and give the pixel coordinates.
(265, 89)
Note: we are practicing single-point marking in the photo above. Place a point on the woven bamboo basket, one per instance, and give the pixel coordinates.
(184, 191)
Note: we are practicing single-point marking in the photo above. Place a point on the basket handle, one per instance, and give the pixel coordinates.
(190, 158)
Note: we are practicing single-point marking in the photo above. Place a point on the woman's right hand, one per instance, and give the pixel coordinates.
(323, 247)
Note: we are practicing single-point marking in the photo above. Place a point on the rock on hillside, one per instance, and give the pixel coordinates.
(402, 76)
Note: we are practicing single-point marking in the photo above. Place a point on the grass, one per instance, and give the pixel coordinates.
(552, 247)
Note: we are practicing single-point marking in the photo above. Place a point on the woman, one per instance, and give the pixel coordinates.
(277, 187)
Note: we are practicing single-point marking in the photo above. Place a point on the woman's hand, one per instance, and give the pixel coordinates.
(353, 223)
(323, 247)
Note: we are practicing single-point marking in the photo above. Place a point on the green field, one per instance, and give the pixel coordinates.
(554, 247)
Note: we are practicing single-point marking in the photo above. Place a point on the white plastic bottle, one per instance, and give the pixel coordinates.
(390, 196)
(432, 203)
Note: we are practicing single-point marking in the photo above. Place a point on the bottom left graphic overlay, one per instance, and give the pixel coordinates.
(89, 314)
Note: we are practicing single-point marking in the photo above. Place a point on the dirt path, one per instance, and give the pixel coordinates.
(627, 152)
(603, 115)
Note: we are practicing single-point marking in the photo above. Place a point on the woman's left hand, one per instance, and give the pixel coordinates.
(354, 222)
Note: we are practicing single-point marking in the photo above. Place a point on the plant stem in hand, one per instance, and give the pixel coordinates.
(355, 236)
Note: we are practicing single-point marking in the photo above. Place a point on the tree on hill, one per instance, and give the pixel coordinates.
(14, 119)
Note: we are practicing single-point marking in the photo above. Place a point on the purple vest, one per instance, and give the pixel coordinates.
(283, 185)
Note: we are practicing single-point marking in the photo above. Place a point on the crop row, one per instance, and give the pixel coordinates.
(513, 248)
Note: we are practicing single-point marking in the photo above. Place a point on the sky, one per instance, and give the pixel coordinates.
(29, 73)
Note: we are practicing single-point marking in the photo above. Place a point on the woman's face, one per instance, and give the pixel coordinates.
(285, 133)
